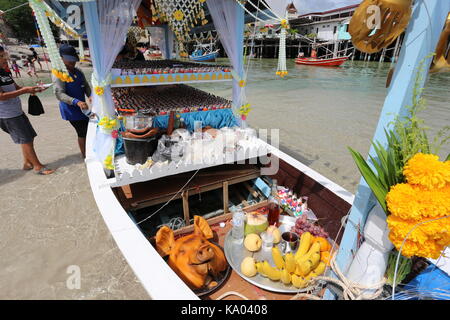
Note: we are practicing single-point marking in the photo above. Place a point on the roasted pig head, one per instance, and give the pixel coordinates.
(192, 257)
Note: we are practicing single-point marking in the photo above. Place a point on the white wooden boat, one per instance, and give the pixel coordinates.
(329, 201)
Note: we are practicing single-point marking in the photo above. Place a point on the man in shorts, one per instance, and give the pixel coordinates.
(14, 122)
(72, 95)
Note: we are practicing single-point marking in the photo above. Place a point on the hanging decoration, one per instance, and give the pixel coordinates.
(59, 70)
(375, 29)
(441, 61)
(282, 70)
(60, 23)
(181, 16)
(277, 10)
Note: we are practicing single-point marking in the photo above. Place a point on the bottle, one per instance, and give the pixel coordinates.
(238, 226)
(88, 113)
(274, 206)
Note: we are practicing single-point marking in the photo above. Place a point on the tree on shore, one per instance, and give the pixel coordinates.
(20, 20)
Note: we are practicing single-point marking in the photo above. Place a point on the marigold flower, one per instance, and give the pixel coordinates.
(426, 170)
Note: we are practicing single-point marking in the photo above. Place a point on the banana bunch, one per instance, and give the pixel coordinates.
(297, 269)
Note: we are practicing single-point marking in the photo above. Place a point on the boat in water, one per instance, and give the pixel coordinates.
(332, 62)
(204, 53)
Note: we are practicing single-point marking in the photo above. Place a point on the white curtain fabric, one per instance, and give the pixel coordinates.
(224, 14)
(105, 41)
(278, 6)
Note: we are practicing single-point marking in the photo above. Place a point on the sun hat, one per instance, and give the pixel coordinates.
(68, 53)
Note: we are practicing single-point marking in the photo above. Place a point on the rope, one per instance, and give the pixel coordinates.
(165, 204)
(16, 7)
(232, 293)
(351, 290)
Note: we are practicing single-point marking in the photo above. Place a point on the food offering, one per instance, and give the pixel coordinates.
(161, 100)
(197, 261)
(279, 259)
(126, 68)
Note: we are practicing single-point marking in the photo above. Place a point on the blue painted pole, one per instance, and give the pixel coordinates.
(421, 38)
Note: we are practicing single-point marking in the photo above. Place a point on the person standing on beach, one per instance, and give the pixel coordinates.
(72, 96)
(28, 62)
(14, 122)
(35, 57)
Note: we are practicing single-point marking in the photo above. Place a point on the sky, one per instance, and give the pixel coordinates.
(306, 6)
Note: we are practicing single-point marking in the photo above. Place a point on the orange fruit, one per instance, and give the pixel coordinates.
(324, 244)
(325, 257)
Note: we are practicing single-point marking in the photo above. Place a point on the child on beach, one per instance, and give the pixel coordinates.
(28, 62)
(16, 69)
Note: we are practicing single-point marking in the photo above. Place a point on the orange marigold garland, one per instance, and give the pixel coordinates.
(425, 197)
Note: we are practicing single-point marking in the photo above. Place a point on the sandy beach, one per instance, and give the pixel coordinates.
(50, 223)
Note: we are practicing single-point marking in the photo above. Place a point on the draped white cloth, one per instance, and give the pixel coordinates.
(227, 23)
(106, 36)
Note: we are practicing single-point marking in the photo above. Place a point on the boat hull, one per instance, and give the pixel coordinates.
(335, 62)
(155, 275)
(206, 57)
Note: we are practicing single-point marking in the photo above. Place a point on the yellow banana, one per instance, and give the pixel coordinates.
(298, 282)
(305, 242)
(315, 248)
(320, 269)
(290, 262)
(285, 277)
(278, 258)
(259, 268)
(272, 273)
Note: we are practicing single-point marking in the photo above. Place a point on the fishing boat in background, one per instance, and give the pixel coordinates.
(332, 62)
(204, 53)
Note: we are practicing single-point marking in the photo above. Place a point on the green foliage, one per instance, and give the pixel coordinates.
(407, 138)
(311, 35)
(411, 130)
(404, 268)
(21, 20)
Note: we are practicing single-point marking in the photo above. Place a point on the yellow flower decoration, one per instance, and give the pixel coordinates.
(99, 90)
(426, 170)
(245, 109)
(284, 24)
(108, 124)
(242, 83)
(178, 15)
(108, 163)
(415, 205)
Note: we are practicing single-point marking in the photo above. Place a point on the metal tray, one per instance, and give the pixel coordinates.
(235, 253)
